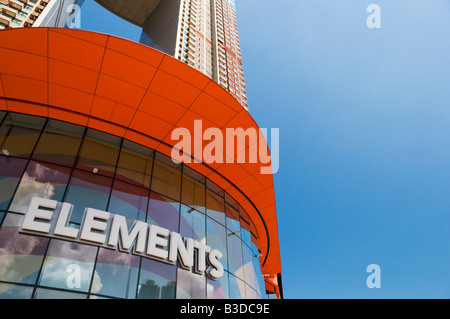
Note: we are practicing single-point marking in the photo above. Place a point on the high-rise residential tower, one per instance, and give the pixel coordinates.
(36, 13)
(15, 13)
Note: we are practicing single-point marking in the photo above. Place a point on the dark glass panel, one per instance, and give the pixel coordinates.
(10, 291)
(41, 180)
(235, 261)
(20, 255)
(19, 134)
(129, 201)
(69, 265)
(116, 274)
(164, 212)
(42, 293)
(2, 115)
(59, 143)
(215, 202)
(99, 153)
(232, 214)
(135, 164)
(245, 227)
(193, 189)
(87, 190)
(11, 170)
(157, 280)
(166, 178)
(192, 224)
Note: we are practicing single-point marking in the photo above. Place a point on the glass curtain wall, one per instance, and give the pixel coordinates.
(45, 158)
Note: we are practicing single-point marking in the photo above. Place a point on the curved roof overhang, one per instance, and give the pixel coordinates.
(136, 92)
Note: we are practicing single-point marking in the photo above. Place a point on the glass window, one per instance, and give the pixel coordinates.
(40, 180)
(156, 280)
(9, 291)
(99, 153)
(190, 285)
(135, 164)
(237, 287)
(20, 255)
(42, 293)
(218, 289)
(69, 265)
(216, 238)
(129, 201)
(250, 293)
(259, 276)
(249, 270)
(215, 202)
(164, 212)
(232, 214)
(166, 178)
(59, 143)
(245, 227)
(235, 261)
(192, 224)
(11, 170)
(116, 274)
(193, 189)
(87, 190)
(19, 133)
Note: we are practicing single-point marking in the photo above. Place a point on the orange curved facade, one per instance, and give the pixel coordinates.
(133, 91)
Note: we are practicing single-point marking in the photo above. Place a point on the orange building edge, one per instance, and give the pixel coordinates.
(133, 91)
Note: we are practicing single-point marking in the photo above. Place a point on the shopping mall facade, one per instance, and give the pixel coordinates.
(92, 204)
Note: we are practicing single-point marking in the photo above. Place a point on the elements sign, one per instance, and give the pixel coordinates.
(51, 219)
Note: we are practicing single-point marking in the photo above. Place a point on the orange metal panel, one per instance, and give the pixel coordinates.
(218, 92)
(102, 108)
(251, 185)
(106, 127)
(25, 89)
(71, 75)
(22, 40)
(150, 125)
(202, 106)
(184, 72)
(141, 139)
(138, 51)
(24, 107)
(3, 106)
(167, 110)
(68, 116)
(120, 91)
(122, 115)
(131, 70)
(88, 36)
(174, 89)
(23, 64)
(70, 98)
(75, 50)
(2, 93)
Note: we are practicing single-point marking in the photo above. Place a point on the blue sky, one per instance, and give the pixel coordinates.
(364, 119)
